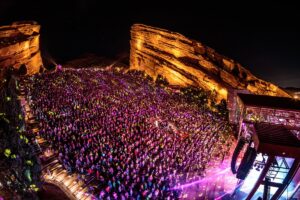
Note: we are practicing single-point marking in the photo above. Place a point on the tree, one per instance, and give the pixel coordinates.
(22, 70)
(160, 80)
(222, 108)
(19, 166)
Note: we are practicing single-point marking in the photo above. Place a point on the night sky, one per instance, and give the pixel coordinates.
(263, 38)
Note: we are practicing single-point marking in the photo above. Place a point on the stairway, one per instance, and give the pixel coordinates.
(52, 170)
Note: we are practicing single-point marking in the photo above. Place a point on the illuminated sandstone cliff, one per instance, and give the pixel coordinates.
(187, 62)
(19, 46)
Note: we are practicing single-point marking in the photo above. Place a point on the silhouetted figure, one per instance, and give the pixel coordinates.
(22, 70)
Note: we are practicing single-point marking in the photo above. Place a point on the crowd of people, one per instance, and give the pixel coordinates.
(137, 139)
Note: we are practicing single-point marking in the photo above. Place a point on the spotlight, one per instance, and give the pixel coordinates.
(59, 67)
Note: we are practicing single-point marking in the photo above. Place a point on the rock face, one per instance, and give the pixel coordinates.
(187, 62)
(19, 47)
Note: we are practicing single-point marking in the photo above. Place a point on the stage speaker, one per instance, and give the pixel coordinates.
(236, 153)
(246, 163)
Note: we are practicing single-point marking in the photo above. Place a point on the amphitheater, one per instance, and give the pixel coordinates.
(163, 127)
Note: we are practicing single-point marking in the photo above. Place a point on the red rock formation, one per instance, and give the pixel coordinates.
(187, 62)
(19, 46)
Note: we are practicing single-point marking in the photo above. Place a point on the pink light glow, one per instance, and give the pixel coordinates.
(202, 180)
(220, 197)
(59, 67)
(218, 181)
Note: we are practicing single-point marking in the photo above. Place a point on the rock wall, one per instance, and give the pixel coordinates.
(187, 62)
(19, 46)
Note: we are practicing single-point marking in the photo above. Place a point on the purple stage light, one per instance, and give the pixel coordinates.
(59, 67)
(202, 180)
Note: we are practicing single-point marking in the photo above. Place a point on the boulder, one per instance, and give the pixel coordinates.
(183, 62)
(19, 47)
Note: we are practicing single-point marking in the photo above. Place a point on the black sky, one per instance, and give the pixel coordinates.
(262, 37)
